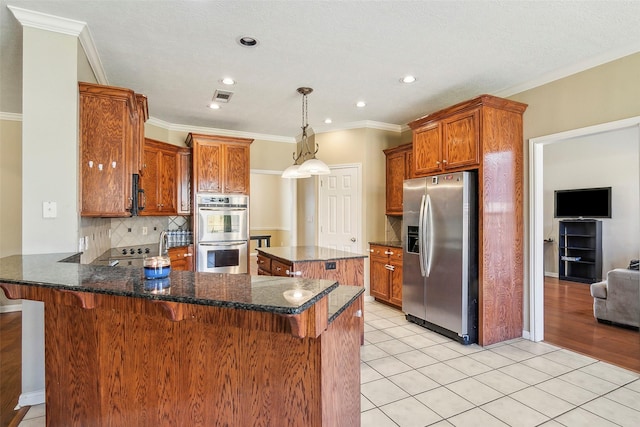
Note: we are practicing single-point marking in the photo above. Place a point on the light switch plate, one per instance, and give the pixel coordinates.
(49, 209)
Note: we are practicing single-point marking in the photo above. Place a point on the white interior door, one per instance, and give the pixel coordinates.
(339, 209)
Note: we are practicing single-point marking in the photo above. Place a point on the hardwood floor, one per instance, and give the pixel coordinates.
(569, 323)
(10, 364)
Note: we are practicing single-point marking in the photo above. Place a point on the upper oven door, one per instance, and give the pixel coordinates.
(218, 224)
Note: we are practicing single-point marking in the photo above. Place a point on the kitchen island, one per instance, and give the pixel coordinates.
(195, 349)
(347, 268)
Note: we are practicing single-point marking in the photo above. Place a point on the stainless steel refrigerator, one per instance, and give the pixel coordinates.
(440, 244)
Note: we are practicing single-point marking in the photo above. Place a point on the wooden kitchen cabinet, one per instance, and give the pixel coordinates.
(399, 167)
(485, 133)
(159, 180)
(446, 144)
(181, 258)
(385, 277)
(184, 181)
(312, 262)
(111, 122)
(220, 163)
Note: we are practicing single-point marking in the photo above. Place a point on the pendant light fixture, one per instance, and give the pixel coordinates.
(310, 165)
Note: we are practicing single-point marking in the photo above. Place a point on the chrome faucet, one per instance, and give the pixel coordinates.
(163, 246)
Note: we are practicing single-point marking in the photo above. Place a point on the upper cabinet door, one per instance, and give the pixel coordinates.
(108, 125)
(427, 150)
(461, 136)
(236, 169)
(220, 163)
(209, 167)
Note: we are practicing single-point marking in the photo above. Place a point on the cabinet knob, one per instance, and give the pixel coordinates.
(371, 250)
(444, 161)
(437, 162)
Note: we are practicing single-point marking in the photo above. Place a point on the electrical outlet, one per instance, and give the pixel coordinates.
(144, 231)
(331, 265)
(86, 242)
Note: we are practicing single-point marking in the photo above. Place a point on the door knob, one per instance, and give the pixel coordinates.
(353, 239)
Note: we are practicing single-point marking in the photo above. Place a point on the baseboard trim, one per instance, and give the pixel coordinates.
(10, 308)
(31, 398)
(550, 274)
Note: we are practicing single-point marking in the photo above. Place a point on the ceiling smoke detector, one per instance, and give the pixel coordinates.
(222, 96)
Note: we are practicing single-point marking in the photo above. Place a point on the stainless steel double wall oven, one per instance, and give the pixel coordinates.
(222, 242)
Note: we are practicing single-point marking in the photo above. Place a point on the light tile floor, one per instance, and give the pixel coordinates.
(411, 376)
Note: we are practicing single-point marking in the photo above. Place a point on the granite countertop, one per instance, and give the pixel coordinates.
(239, 291)
(392, 243)
(308, 253)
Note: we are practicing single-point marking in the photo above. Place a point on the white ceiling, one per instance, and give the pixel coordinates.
(175, 52)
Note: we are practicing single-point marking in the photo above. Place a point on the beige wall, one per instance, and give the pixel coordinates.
(601, 94)
(10, 187)
(355, 146)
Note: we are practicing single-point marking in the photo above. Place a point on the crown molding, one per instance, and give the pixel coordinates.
(367, 124)
(86, 40)
(223, 132)
(576, 68)
(15, 117)
(44, 21)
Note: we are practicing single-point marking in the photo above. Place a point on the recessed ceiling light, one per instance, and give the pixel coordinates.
(228, 81)
(214, 106)
(408, 79)
(328, 120)
(247, 41)
(360, 104)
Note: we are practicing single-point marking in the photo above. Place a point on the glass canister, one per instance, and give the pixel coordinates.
(157, 267)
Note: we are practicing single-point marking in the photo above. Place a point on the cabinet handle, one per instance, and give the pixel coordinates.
(186, 255)
(388, 253)
(437, 162)
(389, 267)
(294, 273)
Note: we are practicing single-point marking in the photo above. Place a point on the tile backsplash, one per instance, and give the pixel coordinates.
(134, 231)
(393, 229)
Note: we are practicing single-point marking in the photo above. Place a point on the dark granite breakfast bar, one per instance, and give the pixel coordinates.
(194, 348)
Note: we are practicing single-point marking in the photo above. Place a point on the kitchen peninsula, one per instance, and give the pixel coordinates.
(317, 262)
(195, 349)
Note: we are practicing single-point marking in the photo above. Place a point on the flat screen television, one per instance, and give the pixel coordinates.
(583, 203)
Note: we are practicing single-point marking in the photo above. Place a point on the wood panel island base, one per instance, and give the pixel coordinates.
(208, 350)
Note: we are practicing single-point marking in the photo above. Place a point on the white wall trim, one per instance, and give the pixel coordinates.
(16, 117)
(87, 43)
(270, 228)
(44, 21)
(57, 24)
(609, 56)
(215, 131)
(536, 215)
(31, 398)
(265, 171)
(10, 308)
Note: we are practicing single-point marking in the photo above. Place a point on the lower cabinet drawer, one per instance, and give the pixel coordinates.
(264, 264)
(279, 269)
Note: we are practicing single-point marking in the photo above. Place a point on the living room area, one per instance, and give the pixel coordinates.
(608, 160)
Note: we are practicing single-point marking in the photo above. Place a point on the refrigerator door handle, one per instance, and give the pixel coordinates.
(428, 223)
(421, 237)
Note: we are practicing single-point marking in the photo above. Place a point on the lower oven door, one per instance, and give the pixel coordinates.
(223, 257)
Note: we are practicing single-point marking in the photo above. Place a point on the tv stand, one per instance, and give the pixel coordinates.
(580, 250)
